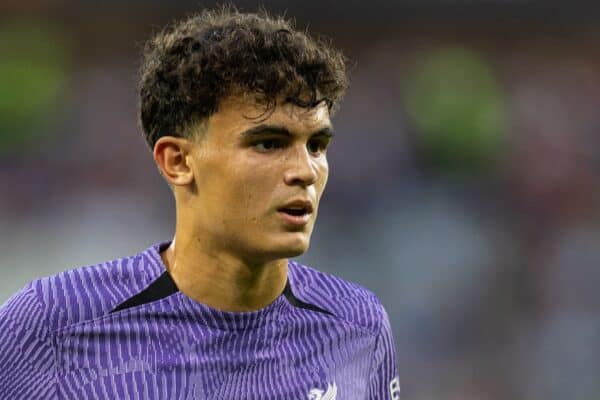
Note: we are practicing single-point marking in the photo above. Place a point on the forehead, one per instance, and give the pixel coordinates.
(237, 114)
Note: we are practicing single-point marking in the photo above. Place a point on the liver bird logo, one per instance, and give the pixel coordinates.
(318, 394)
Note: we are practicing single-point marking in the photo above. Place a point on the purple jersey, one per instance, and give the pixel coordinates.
(122, 330)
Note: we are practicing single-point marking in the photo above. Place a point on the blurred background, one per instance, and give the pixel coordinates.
(463, 187)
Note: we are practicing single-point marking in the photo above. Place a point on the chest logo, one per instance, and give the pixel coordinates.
(318, 394)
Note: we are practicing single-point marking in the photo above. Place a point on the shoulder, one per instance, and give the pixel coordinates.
(27, 367)
(23, 309)
(88, 292)
(347, 300)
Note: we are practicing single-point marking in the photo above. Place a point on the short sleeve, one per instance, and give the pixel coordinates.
(26, 354)
(384, 381)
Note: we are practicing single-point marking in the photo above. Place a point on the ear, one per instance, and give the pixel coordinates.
(172, 156)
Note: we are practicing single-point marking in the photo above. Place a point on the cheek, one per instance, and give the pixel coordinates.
(224, 186)
(251, 191)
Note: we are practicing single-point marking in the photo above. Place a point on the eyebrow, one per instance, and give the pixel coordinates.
(264, 129)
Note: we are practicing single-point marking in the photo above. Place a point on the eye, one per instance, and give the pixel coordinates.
(317, 146)
(267, 145)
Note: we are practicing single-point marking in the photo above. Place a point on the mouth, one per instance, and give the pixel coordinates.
(296, 213)
(294, 217)
(297, 207)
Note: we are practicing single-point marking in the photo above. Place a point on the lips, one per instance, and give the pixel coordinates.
(296, 213)
(297, 207)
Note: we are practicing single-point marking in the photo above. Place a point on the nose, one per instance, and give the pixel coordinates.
(302, 169)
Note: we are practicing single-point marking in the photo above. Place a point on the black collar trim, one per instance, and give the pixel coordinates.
(165, 286)
(293, 300)
(162, 287)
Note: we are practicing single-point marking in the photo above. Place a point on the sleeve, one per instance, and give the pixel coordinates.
(384, 381)
(27, 369)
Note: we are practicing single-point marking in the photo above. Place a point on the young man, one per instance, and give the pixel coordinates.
(236, 109)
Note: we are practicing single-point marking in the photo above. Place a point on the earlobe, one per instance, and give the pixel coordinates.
(171, 155)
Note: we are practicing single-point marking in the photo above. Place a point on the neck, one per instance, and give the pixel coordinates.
(221, 280)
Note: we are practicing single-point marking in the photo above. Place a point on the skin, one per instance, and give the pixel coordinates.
(231, 245)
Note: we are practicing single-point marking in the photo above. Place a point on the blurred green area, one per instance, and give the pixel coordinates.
(456, 107)
(34, 68)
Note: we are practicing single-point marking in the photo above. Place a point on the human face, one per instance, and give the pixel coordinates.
(246, 169)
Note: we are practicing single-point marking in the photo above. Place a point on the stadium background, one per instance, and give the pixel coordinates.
(463, 186)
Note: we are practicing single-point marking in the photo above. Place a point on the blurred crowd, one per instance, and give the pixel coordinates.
(463, 186)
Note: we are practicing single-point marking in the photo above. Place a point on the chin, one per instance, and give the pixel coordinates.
(296, 252)
(290, 250)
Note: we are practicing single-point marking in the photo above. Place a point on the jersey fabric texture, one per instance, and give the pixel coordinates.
(122, 330)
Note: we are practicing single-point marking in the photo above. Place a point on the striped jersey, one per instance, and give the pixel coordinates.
(122, 330)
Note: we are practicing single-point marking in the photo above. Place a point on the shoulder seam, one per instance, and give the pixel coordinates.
(365, 329)
(357, 291)
(117, 265)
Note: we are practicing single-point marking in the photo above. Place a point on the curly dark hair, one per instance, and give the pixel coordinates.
(190, 66)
